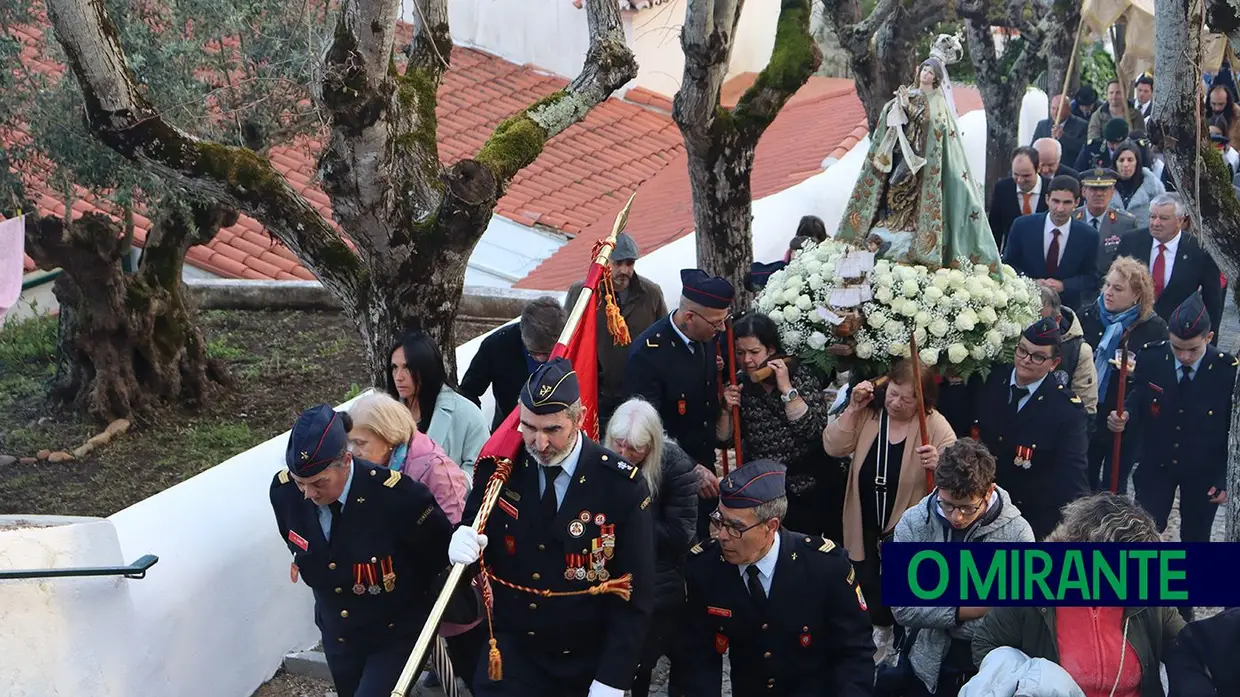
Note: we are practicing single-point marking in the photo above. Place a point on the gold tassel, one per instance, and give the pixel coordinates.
(622, 587)
(616, 326)
(495, 665)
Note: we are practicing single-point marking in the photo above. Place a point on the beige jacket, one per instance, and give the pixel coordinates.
(1085, 379)
(855, 436)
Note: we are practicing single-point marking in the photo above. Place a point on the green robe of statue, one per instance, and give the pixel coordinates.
(916, 201)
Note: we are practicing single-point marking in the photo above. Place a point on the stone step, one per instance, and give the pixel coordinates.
(313, 664)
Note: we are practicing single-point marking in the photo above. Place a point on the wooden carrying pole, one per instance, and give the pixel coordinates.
(1119, 406)
(585, 300)
(921, 404)
(1067, 76)
(736, 411)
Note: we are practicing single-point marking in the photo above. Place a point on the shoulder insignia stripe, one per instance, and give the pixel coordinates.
(651, 344)
(392, 479)
(827, 545)
(696, 549)
(852, 574)
(425, 514)
(645, 503)
(1235, 362)
(632, 473)
(1074, 399)
(283, 476)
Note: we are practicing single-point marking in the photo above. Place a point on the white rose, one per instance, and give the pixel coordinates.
(934, 293)
(908, 308)
(1019, 295)
(962, 297)
(898, 349)
(979, 352)
(955, 279)
(817, 341)
(792, 313)
(972, 285)
(929, 356)
(882, 266)
(794, 280)
(981, 271)
(922, 318)
(876, 320)
(893, 328)
(883, 279)
(920, 335)
(815, 281)
(964, 322)
(1010, 329)
(939, 328)
(957, 353)
(945, 302)
(1001, 298)
(905, 272)
(985, 296)
(883, 295)
(804, 303)
(910, 289)
(987, 315)
(792, 338)
(812, 266)
(864, 350)
(790, 295)
(994, 338)
(941, 281)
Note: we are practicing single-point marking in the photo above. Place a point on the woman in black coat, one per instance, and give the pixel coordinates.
(1202, 661)
(635, 432)
(1123, 311)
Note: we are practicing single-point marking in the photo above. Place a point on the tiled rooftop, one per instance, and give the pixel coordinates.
(578, 179)
(824, 119)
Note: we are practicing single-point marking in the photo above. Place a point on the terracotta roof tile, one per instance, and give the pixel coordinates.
(825, 118)
(573, 182)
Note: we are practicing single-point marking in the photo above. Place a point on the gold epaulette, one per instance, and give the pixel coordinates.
(283, 476)
(827, 545)
(392, 479)
(696, 549)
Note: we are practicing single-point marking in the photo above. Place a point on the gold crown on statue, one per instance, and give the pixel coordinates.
(946, 49)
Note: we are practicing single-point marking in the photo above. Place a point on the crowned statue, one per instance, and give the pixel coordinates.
(916, 202)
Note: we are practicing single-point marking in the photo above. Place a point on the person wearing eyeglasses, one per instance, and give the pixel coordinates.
(675, 366)
(783, 605)
(968, 507)
(1036, 428)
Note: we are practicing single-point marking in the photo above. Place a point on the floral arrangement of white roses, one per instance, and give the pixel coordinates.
(964, 319)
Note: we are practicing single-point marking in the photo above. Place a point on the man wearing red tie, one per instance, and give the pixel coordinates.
(1062, 253)
(1177, 262)
(1023, 193)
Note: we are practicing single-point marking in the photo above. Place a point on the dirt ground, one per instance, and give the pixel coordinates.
(283, 362)
(287, 685)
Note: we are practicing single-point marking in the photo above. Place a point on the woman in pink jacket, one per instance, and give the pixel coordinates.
(385, 434)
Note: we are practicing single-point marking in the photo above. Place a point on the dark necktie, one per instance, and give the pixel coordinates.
(1052, 254)
(549, 505)
(1094, 222)
(334, 507)
(1186, 375)
(1018, 393)
(755, 587)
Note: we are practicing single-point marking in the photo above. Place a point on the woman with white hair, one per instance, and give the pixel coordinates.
(635, 432)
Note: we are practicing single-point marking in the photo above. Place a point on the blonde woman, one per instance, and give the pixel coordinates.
(1123, 311)
(385, 434)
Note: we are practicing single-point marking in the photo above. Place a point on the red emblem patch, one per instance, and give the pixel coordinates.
(682, 407)
(806, 640)
(718, 611)
(861, 599)
(299, 541)
(510, 544)
(508, 508)
(1154, 409)
(721, 642)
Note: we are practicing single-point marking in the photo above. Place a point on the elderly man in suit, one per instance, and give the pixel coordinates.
(1097, 187)
(1071, 131)
(1023, 193)
(1060, 252)
(1050, 159)
(1177, 262)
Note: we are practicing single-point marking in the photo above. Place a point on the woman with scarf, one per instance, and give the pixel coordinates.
(1137, 186)
(1123, 311)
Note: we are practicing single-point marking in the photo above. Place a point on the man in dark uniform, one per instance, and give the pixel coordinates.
(675, 366)
(1100, 152)
(368, 541)
(1036, 429)
(572, 532)
(1097, 187)
(786, 605)
(1180, 413)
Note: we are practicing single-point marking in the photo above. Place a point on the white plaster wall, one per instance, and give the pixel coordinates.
(66, 636)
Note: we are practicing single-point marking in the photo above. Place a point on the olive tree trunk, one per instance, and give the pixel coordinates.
(720, 142)
(412, 221)
(1061, 39)
(1200, 174)
(128, 342)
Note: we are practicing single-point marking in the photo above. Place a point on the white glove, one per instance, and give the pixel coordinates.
(466, 546)
(598, 689)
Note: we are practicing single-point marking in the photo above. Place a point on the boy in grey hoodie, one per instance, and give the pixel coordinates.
(966, 506)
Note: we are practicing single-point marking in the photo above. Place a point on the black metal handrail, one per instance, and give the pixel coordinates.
(136, 570)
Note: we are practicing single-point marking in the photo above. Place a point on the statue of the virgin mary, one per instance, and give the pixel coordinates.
(916, 201)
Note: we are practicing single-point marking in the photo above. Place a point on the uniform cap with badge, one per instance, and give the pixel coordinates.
(709, 291)
(754, 484)
(319, 438)
(551, 388)
(1044, 332)
(1115, 131)
(1099, 178)
(1190, 320)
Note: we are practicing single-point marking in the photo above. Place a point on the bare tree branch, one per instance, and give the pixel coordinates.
(123, 119)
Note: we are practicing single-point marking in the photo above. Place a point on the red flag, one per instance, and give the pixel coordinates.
(583, 352)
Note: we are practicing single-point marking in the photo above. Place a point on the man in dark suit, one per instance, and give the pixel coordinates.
(1177, 262)
(783, 605)
(571, 522)
(1036, 429)
(1062, 253)
(1023, 193)
(369, 542)
(675, 366)
(1050, 162)
(508, 356)
(1071, 131)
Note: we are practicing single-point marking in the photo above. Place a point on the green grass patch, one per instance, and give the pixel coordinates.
(204, 445)
(222, 349)
(27, 342)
